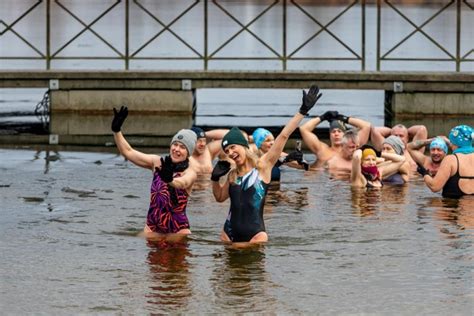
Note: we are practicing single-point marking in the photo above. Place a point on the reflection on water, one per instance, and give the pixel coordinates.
(239, 279)
(457, 212)
(397, 250)
(169, 267)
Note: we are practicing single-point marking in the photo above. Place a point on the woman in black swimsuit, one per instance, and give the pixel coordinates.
(456, 172)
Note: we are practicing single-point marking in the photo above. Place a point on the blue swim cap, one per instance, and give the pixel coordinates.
(259, 136)
(438, 142)
(461, 136)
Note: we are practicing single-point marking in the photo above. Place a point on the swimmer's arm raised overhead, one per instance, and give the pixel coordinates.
(414, 147)
(364, 127)
(268, 160)
(418, 132)
(378, 134)
(138, 158)
(437, 182)
(317, 147)
(216, 134)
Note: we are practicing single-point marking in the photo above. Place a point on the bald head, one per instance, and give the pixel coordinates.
(400, 131)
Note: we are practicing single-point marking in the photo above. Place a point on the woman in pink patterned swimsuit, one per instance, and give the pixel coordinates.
(173, 178)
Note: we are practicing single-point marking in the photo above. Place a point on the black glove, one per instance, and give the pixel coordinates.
(377, 153)
(166, 170)
(220, 169)
(305, 164)
(342, 117)
(422, 170)
(329, 116)
(310, 99)
(294, 156)
(119, 118)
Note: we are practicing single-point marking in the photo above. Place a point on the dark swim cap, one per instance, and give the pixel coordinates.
(199, 132)
(234, 137)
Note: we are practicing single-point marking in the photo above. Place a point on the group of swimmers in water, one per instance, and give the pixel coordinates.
(247, 164)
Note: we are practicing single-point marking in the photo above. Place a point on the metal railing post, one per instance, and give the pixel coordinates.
(363, 35)
(458, 35)
(379, 12)
(127, 35)
(48, 34)
(206, 53)
(284, 59)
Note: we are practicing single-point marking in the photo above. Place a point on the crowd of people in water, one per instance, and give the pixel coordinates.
(241, 166)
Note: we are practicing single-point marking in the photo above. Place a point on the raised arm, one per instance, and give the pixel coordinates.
(317, 147)
(378, 134)
(362, 126)
(417, 132)
(311, 140)
(138, 158)
(309, 100)
(414, 150)
(216, 134)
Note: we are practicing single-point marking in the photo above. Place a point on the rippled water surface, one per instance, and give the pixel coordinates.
(69, 243)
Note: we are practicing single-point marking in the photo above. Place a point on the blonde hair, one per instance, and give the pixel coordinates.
(250, 156)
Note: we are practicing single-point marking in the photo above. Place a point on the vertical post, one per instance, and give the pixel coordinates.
(284, 35)
(458, 35)
(127, 34)
(48, 34)
(378, 33)
(205, 35)
(363, 35)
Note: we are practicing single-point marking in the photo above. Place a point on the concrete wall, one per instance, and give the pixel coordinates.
(433, 103)
(84, 116)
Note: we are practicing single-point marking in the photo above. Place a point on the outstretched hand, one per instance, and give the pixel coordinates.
(119, 118)
(310, 99)
(166, 170)
(220, 169)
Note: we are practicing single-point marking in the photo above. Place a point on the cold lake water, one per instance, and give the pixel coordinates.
(70, 244)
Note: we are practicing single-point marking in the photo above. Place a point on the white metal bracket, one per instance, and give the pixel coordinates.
(398, 86)
(53, 84)
(186, 84)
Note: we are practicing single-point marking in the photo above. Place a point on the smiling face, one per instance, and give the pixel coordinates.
(267, 143)
(335, 136)
(236, 153)
(178, 152)
(437, 154)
